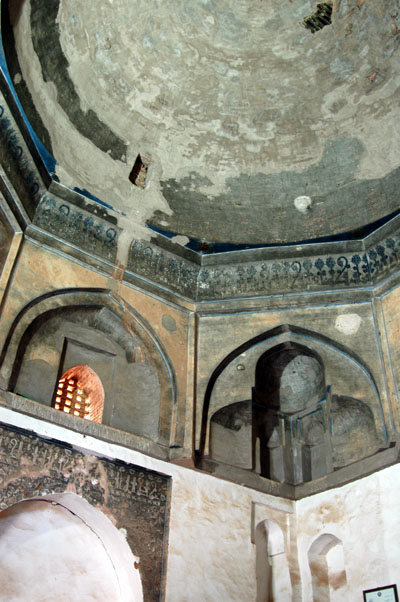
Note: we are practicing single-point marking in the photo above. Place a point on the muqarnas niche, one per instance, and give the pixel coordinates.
(120, 355)
(295, 427)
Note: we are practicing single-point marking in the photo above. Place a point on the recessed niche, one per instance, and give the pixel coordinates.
(320, 18)
(140, 171)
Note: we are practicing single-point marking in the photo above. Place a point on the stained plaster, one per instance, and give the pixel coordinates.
(254, 118)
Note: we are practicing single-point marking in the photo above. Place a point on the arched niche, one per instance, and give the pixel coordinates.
(58, 547)
(291, 437)
(327, 568)
(288, 377)
(291, 406)
(234, 378)
(66, 328)
(272, 569)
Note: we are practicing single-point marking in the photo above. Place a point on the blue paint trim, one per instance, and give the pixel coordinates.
(208, 248)
(47, 158)
(49, 161)
(90, 196)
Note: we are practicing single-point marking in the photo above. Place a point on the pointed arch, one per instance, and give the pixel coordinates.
(32, 316)
(272, 569)
(307, 337)
(76, 514)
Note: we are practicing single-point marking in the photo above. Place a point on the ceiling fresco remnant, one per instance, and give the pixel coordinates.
(241, 107)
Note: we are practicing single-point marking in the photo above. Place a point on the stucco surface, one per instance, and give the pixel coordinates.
(212, 555)
(59, 557)
(240, 108)
(363, 517)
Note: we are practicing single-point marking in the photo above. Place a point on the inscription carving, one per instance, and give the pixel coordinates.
(268, 276)
(73, 224)
(134, 498)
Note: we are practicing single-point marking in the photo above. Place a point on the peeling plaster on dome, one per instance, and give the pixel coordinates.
(238, 101)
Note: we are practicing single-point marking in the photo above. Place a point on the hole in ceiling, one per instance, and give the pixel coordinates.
(320, 18)
(140, 171)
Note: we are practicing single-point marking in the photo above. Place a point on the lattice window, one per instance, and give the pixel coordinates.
(80, 392)
(320, 18)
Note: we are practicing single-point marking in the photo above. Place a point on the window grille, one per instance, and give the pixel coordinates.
(80, 392)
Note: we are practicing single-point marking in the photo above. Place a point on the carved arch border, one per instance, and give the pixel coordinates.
(170, 431)
(116, 546)
(271, 334)
(130, 496)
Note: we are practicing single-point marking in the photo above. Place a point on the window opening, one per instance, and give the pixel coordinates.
(320, 18)
(80, 393)
(140, 171)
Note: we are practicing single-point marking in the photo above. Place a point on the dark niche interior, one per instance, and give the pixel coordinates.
(62, 339)
(296, 426)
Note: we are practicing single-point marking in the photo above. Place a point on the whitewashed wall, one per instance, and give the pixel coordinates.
(365, 516)
(212, 552)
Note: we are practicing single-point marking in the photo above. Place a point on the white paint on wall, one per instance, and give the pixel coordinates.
(210, 553)
(348, 324)
(47, 554)
(303, 203)
(179, 239)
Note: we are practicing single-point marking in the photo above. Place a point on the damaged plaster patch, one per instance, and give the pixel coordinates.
(45, 34)
(180, 240)
(303, 203)
(348, 323)
(226, 217)
(169, 323)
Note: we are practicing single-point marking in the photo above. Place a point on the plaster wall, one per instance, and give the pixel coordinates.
(364, 517)
(211, 552)
(45, 556)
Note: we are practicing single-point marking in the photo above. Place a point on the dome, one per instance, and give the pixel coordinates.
(253, 129)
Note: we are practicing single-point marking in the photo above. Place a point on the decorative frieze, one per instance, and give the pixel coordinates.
(254, 278)
(136, 499)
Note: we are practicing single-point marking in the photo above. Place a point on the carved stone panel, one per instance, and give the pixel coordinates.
(133, 498)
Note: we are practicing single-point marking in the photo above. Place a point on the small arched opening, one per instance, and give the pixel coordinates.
(272, 570)
(80, 392)
(328, 573)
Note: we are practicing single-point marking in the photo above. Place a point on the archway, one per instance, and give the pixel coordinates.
(44, 544)
(328, 573)
(272, 571)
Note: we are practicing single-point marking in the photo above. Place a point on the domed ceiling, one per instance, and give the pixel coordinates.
(236, 107)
